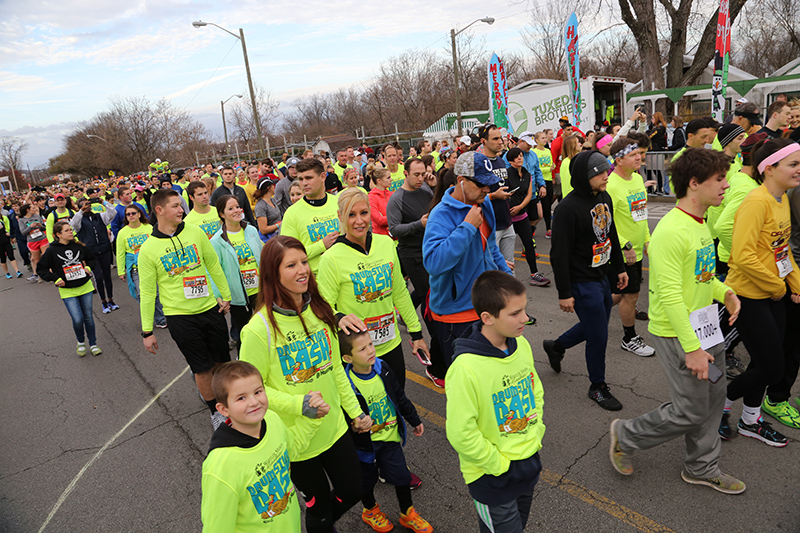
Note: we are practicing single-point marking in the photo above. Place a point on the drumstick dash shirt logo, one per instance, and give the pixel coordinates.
(514, 403)
(320, 227)
(304, 357)
(705, 262)
(372, 281)
(273, 491)
(176, 262)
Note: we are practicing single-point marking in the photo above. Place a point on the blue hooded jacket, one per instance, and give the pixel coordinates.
(453, 254)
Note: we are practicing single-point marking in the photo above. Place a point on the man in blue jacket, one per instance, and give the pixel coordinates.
(459, 245)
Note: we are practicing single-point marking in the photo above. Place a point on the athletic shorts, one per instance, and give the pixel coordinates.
(201, 338)
(6, 251)
(533, 211)
(34, 246)
(634, 279)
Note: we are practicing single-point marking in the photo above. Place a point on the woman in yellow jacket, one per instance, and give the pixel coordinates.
(761, 264)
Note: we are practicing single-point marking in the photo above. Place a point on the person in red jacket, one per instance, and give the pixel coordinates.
(378, 198)
(555, 146)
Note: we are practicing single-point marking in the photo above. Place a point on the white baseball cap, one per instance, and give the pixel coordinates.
(466, 139)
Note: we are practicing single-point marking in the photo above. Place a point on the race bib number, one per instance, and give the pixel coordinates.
(601, 253)
(195, 287)
(71, 273)
(250, 278)
(381, 328)
(705, 323)
(783, 261)
(35, 234)
(639, 210)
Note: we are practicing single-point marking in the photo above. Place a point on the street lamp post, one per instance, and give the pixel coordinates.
(90, 136)
(453, 33)
(256, 119)
(224, 125)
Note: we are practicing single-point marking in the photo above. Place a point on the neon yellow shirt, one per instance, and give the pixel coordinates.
(398, 178)
(566, 177)
(247, 261)
(209, 223)
(630, 210)
(310, 224)
(129, 241)
(381, 410)
(740, 186)
(545, 163)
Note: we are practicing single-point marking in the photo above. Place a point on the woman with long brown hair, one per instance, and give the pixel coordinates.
(658, 132)
(293, 342)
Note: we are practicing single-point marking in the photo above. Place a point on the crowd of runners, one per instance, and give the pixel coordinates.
(322, 260)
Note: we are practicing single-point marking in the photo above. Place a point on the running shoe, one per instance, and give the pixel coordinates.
(112, 305)
(602, 395)
(548, 235)
(33, 278)
(162, 326)
(783, 412)
(8, 276)
(95, 349)
(438, 382)
(553, 355)
(723, 483)
(416, 482)
(539, 280)
(19, 274)
(106, 308)
(641, 315)
(733, 366)
(638, 346)
(413, 521)
(763, 431)
(217, 419)
(81, 349)
(375, 519)
(621, 461)
(725, 430)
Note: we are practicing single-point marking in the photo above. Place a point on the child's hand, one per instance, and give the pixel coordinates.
(419, 430)
(315, 400)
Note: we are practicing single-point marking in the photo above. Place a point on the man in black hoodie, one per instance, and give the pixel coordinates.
(584, 242)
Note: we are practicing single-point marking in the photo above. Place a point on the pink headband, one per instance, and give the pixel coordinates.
(777, 156)
(606, 139)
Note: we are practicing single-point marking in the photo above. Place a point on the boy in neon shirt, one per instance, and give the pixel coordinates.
(494, 406)
(201, 214)
(380, 394)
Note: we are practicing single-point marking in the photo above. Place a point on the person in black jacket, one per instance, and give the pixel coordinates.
(65, 263)
(678, 134)
(658, 132)
(229, 187)
(380, 394)
(584, 243)
(92, 230)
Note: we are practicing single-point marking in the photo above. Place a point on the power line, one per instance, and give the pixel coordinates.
(212, 75)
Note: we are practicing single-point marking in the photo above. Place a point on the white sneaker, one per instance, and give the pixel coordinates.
(217, 419)
(638, 346)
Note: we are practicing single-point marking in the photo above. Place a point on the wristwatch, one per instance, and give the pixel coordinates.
(146, 334)
(628, 246)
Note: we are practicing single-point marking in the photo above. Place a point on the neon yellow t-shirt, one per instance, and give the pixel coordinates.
(247, 261)
(630, 210)
(381, 410)
(209, 223)
(545, 163)
(398, 178)
(566, 177)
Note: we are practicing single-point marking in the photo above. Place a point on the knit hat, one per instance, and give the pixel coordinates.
(728, 133)
(751, 141)
(584, 167)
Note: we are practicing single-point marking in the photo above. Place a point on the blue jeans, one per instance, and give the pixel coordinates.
(80, 310)
(159, 317)
(593, 307)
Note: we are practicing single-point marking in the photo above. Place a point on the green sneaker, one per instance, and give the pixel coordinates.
(620, 460)
(96, 350)
(722, 483)
(783, 412)
(81, 349)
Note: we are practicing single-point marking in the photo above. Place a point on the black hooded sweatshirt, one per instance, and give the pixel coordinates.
(583, 231)
(59, 257)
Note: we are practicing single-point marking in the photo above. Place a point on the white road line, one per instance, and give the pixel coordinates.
(96, 456)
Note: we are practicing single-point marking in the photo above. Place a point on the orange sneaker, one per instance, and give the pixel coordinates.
(413, 521)
(377, 520)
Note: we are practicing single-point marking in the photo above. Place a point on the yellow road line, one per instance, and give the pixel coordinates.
(620, 512)
(518, 257)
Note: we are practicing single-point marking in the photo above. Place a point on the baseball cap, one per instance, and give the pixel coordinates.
(292, 162)
(749, 111)
(138, 188)
(265, 183)
(466, 140)
(527, 137)
(58, 195)
(476, 167)
(356, 153)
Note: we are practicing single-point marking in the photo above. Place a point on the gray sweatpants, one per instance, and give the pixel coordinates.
(506, 239)
(694, 412)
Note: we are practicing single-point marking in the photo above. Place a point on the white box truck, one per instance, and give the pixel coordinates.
(538, 104)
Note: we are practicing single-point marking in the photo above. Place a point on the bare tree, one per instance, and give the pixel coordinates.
(11, 151)
(764, 42)
(241, 117)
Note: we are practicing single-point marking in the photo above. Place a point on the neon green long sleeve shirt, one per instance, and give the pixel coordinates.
(740, 186)
(630, 200)
(682, 280)
(309, 224)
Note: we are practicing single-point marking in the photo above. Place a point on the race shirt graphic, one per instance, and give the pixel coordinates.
(705, 262)
(135, 241)
(176, 262)
(372, 281)
(398, 178)
(303, 357)
(514, 403)
(273, 492)
(322, 226)
(381, 410)
(210, 228)
(209, 222)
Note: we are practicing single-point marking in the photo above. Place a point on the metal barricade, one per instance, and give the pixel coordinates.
(654, 167)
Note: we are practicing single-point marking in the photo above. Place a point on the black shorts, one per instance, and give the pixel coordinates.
(6, 251)
(533, 211)
(201, 338)
(634, 279)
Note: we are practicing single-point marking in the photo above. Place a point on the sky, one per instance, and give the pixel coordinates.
(61, 61)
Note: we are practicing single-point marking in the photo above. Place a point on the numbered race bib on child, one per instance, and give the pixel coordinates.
(705, 323)
(381, 328)
(195, 287)
(601, 253)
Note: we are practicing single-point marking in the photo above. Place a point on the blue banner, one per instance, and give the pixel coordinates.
(573, 67)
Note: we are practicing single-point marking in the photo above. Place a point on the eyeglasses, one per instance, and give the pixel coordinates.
(131, 214)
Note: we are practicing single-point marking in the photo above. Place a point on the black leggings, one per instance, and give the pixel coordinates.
(782, 391)
(340, 464)
(523, 229)
(547, 203)
(102, 275)
(761, 324)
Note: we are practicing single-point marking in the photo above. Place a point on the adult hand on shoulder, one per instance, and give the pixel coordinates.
(697, 362)
(567, 305)
(151, 344)
(733, 305)
(329, 239)
(351, 323)
(475, 216)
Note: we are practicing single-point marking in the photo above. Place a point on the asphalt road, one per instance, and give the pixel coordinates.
(86, 447)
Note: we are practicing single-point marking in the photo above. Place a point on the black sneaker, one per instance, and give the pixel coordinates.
(641, 315)
(733, 366)
(726, 432)
(604, 398)
(553, 355)
(763, 431)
